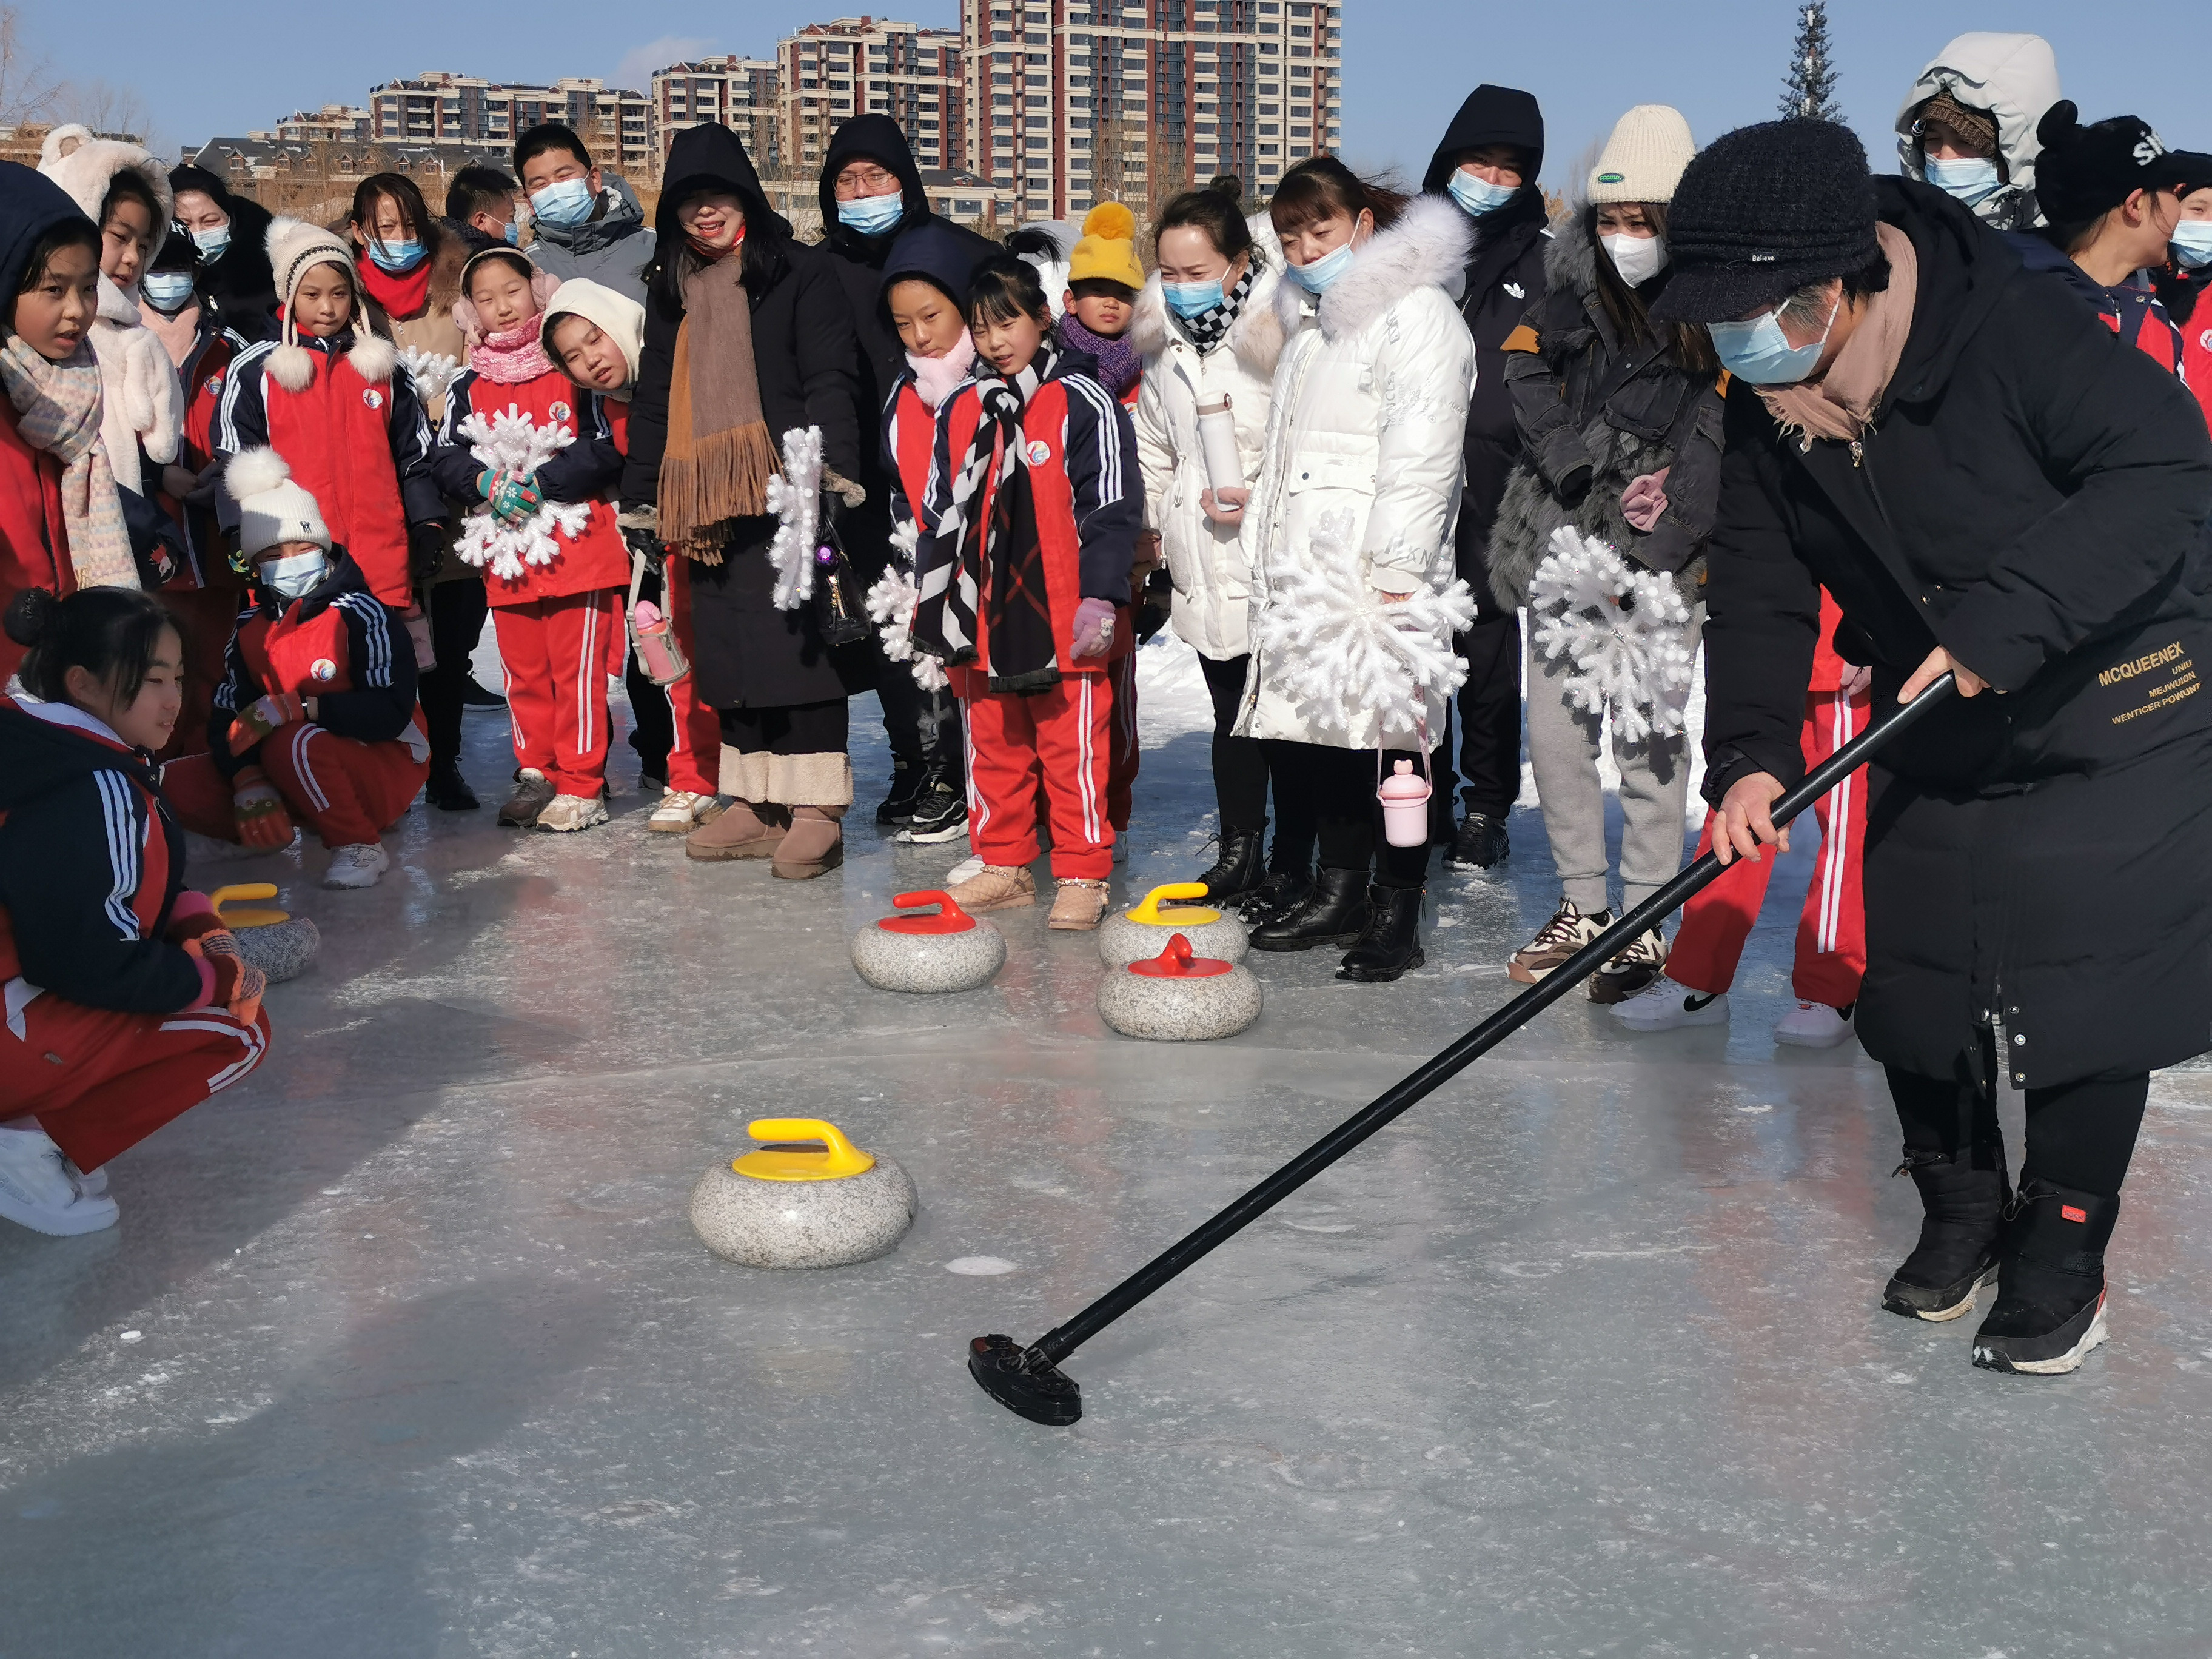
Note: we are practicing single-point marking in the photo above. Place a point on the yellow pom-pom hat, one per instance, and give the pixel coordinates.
(1108, 251)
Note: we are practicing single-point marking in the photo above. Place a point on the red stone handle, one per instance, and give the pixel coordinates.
(949, 917)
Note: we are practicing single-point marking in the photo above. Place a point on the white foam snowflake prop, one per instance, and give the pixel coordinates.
(1622, 629)
(795, 497)
(511, 441)
(1340, 650)
(890, 605)
(433, 372)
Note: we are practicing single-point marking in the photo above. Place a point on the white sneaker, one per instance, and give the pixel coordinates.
(677, 813)
(1666, 1006)
(966, 870)
(36, 1191)
(92, 1186)
(1815, 1025)
(567, 812)
(358, 865)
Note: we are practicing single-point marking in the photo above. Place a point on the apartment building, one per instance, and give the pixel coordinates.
(440, 107)
(830, 72)
(333, 123)
(740, 92)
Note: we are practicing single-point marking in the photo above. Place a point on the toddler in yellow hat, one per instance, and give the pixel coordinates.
(1104, 281)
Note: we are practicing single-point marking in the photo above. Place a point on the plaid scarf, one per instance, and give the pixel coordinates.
(991, 527)
(1211, 326)
(58, 411)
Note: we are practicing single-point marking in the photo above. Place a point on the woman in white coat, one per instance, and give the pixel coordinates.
(1354, 512)
(1207, 326)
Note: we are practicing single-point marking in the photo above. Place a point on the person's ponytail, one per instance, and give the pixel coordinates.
(112, 633)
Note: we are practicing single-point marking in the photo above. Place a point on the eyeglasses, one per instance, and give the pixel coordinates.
(867, 181)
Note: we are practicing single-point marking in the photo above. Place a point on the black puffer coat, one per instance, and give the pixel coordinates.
(240, 291)
(2033, 494)
(750, 655)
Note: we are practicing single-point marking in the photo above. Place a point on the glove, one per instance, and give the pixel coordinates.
(237, 983)
(426, 551)
(259, 810)
(1645, 500)
(192, 916)
(512, 496)
(262, 716)
(1094, 627)
(646, 546)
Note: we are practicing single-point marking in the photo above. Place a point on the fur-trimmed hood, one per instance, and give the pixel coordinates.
(1426, 248)
(1257, 336)
(85, 166)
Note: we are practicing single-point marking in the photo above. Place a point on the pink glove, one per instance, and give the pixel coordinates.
(1094, 627)
(1645, 500)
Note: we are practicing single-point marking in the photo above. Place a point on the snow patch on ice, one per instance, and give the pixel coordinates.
(980, 1265)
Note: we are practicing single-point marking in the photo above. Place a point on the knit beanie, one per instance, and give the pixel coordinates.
(618, 316)
(1762, 212)
(1108, 251)
(2087, 171)
(1642, 161)
(296, 247)
(272, 508)
(1979, 124)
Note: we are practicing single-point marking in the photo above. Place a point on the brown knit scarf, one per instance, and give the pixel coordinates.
(720, 456)
(1844, 401)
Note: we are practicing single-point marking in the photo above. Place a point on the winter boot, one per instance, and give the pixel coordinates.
(448, 790)
(533, 793)
(1962, 1214)
(1077, 906)
(1391, 943)
(907, 782)
(1282, 892)
(1480, 843)
(2050, 1309)
(746, 830)
(994, 887)
(1240, 868)
(813, 845)
(1333, 913)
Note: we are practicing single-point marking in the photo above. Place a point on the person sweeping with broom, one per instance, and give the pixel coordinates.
(1990, 485)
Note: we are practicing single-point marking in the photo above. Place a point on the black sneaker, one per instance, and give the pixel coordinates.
(1962, 1214)
(908, 783)
(476, 696)
(2050, 1310)
(940, 815)
(448, 791)
(1480, 843)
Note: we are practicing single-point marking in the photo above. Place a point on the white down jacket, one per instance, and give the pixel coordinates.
(1210, 564)
(1369, 420)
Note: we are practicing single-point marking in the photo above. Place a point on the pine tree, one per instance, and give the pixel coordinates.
(1808, 91)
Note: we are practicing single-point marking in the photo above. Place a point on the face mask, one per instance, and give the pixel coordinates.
(1758, 351)
(872, 216)
(296, 577)
(211, 243)
(1970, 178)
(1316, 277)
(167, 291)
(569, 202)
(513, 232)
(1479, 196)
(1637, 259)
(396, 256)
(1192, 298)
(2193, 243)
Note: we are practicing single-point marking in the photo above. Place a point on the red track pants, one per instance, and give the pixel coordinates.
(556, 656)
(1063, 736)
(1832, 932)
(99, 1081)
(347, 792)
(1121, 774)
(694, 760)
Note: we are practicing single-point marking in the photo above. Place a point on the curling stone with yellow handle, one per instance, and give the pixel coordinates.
(277, 943)
(1142, 930)
(1179, 996)
(807, 1198)
(950, 951)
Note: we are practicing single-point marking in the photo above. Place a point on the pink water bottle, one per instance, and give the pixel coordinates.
(1404, 806)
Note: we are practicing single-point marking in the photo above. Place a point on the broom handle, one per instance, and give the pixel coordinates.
(1056, 1345)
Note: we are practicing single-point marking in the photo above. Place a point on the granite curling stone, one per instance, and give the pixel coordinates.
(279, 943)
(1179, 997)
(950, 951)
(1139, 932)
(809, 1198)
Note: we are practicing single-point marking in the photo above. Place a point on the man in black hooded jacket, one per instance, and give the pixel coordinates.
(1488, 163)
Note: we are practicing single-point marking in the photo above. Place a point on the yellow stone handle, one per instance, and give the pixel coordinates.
(1147, 910)
(247, 889)
(839, 1156)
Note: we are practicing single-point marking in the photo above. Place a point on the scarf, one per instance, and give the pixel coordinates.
(1842, 405)
(511, 358)
(936, 379)
(1119, 362)
(58, 408)
(719, 455)
(990, 531)
(1211, 326)
(404, 296)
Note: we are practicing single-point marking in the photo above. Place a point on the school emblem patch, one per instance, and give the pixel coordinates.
(1039, 452)
(562, 411)
(214, 386)
(2205, 339)
(372, 398)
(324, 669)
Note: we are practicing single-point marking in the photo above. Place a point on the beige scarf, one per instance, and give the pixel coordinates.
(58, 411)
(719, 456)
(1841, 404)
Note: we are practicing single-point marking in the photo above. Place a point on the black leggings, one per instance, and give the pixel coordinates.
(1240, 767)
(2079, 1134)
(1330, 795)
(457, 618)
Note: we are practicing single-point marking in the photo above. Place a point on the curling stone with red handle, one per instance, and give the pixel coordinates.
(950, 951)
(810, 1198)
(1179, 997)
(1142, 930)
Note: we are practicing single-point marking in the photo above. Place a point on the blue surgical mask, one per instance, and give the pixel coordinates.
(1192, 298)
(1316, 277)
(2193, 243)
(296, 577)
(565, 203)
(872, 216)
(1970, 179)
(513, 232)
(211, 243)
(1479, 196)
(167, 291)
(1758, 351)
(397, 257)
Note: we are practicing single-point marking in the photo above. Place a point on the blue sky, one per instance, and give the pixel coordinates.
(1407, 63)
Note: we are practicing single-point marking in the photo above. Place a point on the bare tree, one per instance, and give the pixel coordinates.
(28, 88)
(104, 108)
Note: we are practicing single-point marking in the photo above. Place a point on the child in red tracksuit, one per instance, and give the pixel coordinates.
(1832, 932)
(124, 1001)
(316, 716)
(1024, 588)
(554, 587)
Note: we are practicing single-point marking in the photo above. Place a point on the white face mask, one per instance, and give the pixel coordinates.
(296, 576)
(1637, 259)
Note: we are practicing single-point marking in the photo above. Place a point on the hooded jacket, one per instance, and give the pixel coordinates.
(34, 534)
(941, 255)
(612, 247)
(2014, 78)
(238, 286)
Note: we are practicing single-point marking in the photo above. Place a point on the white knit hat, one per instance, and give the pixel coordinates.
(618, 316)
(296, 247)
(1644, 158)
(272, 508)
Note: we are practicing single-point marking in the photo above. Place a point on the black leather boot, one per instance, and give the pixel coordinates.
(1962, 1216)
(1333, 913)
(1392, 942)
(448, 790)
(1241, 867)
(1281, 892)
(2050, 1310)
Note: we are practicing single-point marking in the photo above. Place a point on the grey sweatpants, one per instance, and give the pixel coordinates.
(1655, 788)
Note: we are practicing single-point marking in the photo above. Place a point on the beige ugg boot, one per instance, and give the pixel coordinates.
(995, 887)
(813, 845)
(1077, 906)
(746, 830)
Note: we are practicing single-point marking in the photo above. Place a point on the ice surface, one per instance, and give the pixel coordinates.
(1581, 1358)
